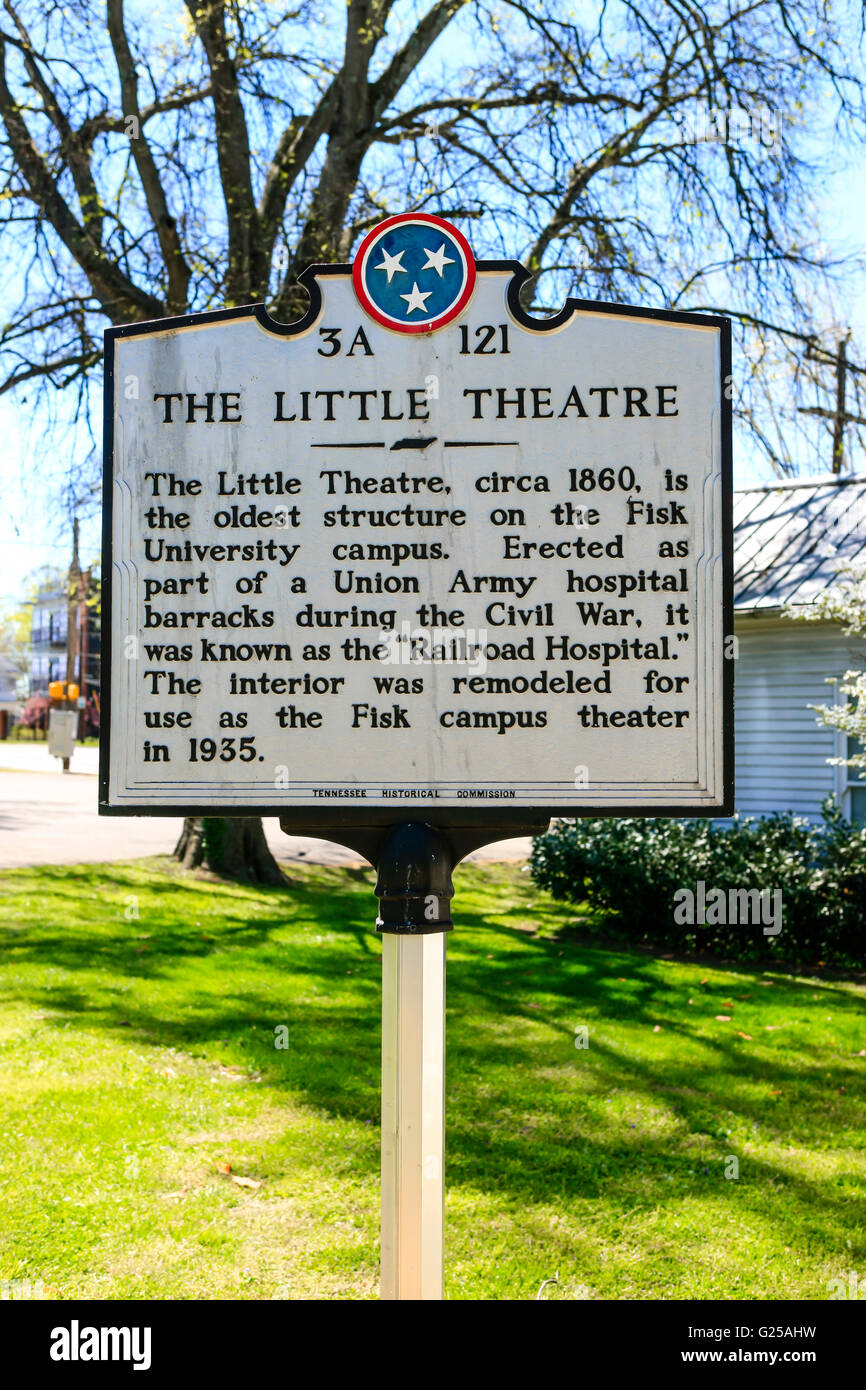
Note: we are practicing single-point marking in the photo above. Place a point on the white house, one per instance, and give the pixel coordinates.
(788, 539)
(10, 703)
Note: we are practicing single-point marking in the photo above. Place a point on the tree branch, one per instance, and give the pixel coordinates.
(106, 124)
(404, 63)
(118, 296)
(164, 224)
(71, 145)
(247, 270)
(353, 110)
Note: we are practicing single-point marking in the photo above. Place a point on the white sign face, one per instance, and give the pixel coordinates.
(365, 562)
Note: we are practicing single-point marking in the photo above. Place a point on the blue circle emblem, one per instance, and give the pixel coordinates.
(414, 273)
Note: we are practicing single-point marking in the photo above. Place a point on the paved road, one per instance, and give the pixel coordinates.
(50, 817)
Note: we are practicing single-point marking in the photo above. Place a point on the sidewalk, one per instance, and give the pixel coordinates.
(34, 757)
(50, 817)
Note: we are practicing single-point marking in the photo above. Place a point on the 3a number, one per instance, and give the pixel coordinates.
(360, 342)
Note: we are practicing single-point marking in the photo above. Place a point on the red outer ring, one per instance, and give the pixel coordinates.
(428, 325)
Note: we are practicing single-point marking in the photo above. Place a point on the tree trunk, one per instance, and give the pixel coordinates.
(189, 849)
(231, 846)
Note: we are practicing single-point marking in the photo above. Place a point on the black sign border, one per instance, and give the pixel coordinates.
(473, 815)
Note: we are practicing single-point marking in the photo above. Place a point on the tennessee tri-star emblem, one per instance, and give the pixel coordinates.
(414, 273)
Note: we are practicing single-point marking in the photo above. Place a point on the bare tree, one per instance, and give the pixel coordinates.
(660, 154)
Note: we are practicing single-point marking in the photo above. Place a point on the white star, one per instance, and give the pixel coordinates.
(417, 299)
(391, 265)
(437, 260)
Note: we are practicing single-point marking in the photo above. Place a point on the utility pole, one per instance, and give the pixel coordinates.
(840, 416)
(73, 590)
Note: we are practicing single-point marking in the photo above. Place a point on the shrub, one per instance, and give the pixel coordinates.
(633, 869)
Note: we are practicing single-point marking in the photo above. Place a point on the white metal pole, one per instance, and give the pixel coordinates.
(413, 1114)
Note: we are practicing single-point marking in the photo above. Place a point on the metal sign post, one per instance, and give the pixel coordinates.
(414, 890)
(413, 1120)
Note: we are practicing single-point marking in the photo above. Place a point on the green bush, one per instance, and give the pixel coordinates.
(635, 871)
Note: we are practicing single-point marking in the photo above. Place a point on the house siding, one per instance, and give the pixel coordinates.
(781, 751)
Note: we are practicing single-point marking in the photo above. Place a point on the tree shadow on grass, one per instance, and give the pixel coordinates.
(264, 967)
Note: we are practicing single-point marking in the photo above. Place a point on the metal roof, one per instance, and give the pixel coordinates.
(790, 537)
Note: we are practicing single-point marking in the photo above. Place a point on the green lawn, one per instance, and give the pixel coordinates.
(137, 1058)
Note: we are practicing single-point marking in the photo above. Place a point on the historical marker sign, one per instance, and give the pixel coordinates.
(418, 551)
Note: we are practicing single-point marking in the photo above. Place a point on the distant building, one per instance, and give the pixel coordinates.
(10, 703)
(48, 636)
(49, 640)
(788, 540)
